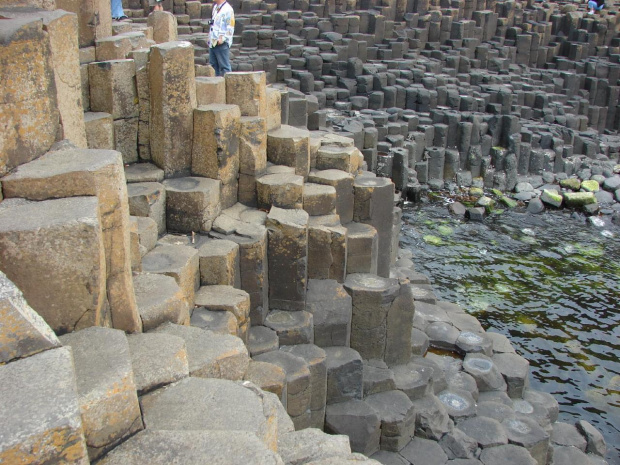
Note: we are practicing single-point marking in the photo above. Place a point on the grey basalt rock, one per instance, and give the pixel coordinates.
(488, 432)
(344, 374)
(464, 382)
(291, 327)
(413, 379)
(377, 377)
(565, 434)
(456, 444)
(192, 448)
(515, 370)
(566, 455)
(398, 418)
(485, 372)
(442, 335)
(458, 403)
(299, 447)
(470, 342)
(527, 433)
(424, 451)
(262, 339)
(157, 360)
(496, 410)
(356, 420)
(512, 454)
(330, 306)
(595, 441)
(432, 419)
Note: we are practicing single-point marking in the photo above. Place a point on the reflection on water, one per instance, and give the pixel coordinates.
(549, 282)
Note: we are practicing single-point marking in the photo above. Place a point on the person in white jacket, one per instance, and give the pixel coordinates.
(221, 36)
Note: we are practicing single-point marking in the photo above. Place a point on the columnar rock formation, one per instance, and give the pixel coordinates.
(207, 269)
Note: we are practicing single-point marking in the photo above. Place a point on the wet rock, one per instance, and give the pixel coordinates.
(470, 342)
(506, 454)
(485, 372)
(459, 404)
(488, 432)
(565, 434)
(527, 433)
(515, 370)
(595, 441)
(565, 455)
(357, 420)
(423, 451)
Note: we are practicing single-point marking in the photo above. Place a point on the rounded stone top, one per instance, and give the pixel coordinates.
(368, 181)
(369, 282)
(318, 189)
(280, 179)
(144, 188)
(477, 364)
(190, 184)
(328, 175)
(214, 247)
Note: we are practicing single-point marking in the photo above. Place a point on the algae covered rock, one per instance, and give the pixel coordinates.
(552, 197)
(590, 186)
(571, 183)
(578, 199)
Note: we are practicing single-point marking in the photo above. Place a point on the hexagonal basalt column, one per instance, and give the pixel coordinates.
(380, 312)
(219, 263)
(106, 388)
(327, 248)
(288, 258)
(192, 203)
(374, 199)
(173, 99)
(291, 147)
(148, 200)
(362, 248)
(215, 152)
(347, 159)
(41, 420)
(283, 190)
(330, 306)
(343, 183)
(248, 91)
(229, 299)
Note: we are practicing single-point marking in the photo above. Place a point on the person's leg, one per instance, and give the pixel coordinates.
(213, 61)
(225, 59)
(592, 5)
(117, 9)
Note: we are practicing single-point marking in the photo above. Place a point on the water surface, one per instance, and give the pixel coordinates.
(549, 282)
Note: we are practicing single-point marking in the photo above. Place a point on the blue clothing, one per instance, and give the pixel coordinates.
(117, 8)
(592, 4)
(219, 58)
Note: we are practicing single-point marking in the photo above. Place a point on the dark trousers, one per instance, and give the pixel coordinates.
(219, 58)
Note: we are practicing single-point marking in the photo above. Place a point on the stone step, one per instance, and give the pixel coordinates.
(432, 419)
(213, 405)
(362, 248)
(347, 159)
(262, 339)
(343, 183)
(315, 358)
(192, 203)
(147, 235)
(319, 199)
(226, 299)
(70, 172)
(327, 248)
(41, 410)
(148, 199)
(310, 445)
(106, 387)
(397, 416)
(283, 190)
(291, 327)
(24, 333)
(290, 146)
(66, 283)
(181, 262)
(267, 376)
(219, 263)
(192, 448)
(357, 420)
(157, 360)
(210, 355)
(288, 255)
(160, 300)
(330, 306)
(345, 373)
(382, 312)
(298, 388)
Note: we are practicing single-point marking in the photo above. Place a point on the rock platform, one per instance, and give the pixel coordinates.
(203, 268)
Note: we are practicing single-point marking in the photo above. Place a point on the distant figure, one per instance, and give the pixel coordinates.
(117, 10)
(221, 36)
(157, 5)
(595, 5)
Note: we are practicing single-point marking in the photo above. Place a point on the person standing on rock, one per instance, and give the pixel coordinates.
(221, 36)
(117, 10)
(595, 5)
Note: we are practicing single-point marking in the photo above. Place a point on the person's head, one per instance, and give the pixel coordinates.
(218, 2)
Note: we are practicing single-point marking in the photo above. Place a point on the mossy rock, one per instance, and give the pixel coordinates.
(434, 240)
(445, 230)
(578, 199)
(487, 202)
(508, 202)
(571, 183)
(590, 186)
(497, 192)
(476, 192)
(552, 197)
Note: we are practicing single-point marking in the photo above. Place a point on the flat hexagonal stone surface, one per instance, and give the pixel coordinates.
(211, 404)
(192, 448)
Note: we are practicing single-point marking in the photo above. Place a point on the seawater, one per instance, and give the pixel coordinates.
(549, 282)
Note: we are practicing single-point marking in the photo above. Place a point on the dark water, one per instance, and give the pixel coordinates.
(551, 283)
